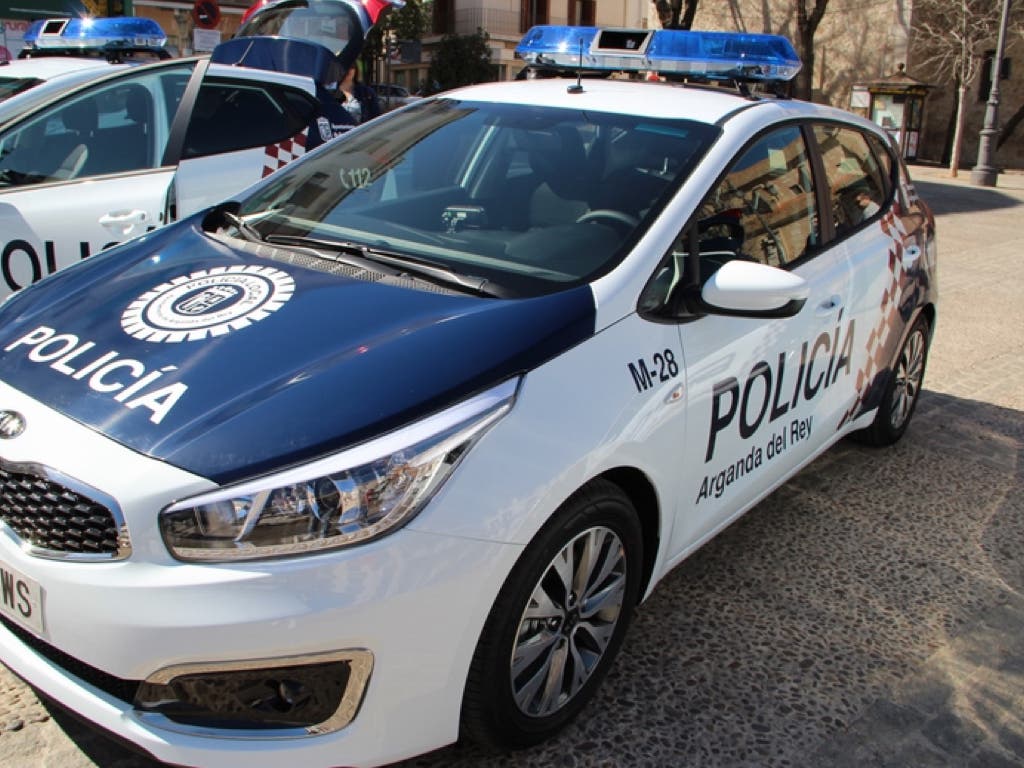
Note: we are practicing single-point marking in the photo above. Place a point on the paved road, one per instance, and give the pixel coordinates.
(869, 613)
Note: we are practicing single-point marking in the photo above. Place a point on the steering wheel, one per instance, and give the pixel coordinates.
(617, 217)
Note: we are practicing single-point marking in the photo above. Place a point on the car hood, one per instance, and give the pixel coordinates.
(228, 365)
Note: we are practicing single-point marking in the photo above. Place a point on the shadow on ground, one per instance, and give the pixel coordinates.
(959, 198)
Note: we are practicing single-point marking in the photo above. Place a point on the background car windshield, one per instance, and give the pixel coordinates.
(329, 24)
(532, 198)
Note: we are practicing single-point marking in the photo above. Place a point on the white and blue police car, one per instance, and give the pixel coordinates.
(385, 452)
(107, 151)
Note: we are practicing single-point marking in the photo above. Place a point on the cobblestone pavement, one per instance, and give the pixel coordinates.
(869, 613)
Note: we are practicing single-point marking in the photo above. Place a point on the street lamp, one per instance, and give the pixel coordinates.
(984, 173)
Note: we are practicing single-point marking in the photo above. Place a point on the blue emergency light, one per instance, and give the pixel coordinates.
(94, 35)
(685, 53)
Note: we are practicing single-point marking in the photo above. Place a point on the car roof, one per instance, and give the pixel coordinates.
(705, 104)
(46, 67)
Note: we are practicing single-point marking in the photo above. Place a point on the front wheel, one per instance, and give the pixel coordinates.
(902, 391)
(557, 623)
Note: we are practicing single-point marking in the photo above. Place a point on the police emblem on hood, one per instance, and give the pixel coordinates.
(207, 303)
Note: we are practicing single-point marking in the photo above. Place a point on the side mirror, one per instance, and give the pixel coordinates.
(752, 289)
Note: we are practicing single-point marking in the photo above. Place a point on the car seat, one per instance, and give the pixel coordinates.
(559, 162)
(80, 119)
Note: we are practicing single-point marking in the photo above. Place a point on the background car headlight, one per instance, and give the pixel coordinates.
(350, 497)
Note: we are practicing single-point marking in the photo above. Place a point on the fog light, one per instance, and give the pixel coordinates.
(317, 693)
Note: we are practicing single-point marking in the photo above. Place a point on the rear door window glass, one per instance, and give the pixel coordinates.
(858, 184)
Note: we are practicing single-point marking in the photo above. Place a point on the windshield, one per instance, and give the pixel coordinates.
(531, 198)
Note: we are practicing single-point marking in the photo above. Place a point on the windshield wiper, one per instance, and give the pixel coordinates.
(400, 263)
(245, 229)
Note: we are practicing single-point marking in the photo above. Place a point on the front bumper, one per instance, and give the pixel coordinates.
(412, 602)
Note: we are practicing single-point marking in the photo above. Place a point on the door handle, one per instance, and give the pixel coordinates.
(124, 222)
(911, 253)
(829, 306)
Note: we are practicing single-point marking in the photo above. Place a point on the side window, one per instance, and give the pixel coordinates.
(117, 127)
(764, 209)
(233, 115)
(858, 185)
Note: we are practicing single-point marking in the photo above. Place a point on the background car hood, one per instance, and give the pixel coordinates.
(326, 362)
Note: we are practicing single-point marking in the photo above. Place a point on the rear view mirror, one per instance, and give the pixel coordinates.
(752, 289)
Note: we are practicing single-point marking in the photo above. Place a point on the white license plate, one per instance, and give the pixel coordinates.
(21, 599)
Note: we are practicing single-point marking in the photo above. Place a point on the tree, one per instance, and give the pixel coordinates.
(949, 41)
(806, 25)
(398, 25)
(462, 60)
(672, 14)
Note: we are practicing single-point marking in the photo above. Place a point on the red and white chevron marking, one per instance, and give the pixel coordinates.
(279, 155)
(878, 346)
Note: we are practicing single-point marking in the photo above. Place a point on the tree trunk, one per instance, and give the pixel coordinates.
(691, 10)
(803, 84)
(806, 26)
(958, 135)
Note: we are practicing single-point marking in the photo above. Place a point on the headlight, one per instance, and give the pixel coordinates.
(351, 497)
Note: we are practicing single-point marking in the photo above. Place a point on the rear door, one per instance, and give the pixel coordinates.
(84, 171)
(860, 183)
(244, 124)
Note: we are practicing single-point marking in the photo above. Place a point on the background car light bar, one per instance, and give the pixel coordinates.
(711, 55)
(98, 34)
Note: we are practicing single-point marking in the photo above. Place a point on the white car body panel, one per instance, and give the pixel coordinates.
(109, 210)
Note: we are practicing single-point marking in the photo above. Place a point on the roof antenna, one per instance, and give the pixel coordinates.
(578, 88)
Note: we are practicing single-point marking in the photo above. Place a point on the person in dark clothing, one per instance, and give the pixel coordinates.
(358, 99)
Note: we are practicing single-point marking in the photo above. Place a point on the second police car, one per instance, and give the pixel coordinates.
(106, 152)
(386, 451)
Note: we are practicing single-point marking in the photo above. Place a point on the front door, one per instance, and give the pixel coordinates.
(764, 394)
(85, 172)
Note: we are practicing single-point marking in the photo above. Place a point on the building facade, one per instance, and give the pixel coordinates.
(858, 42)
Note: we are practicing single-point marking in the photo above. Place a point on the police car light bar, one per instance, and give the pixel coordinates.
(707, 55)
(94, 35)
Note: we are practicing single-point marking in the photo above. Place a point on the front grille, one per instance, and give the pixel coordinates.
(114, 686)
(53, 518)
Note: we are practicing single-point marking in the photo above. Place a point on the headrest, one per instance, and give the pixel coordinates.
(80, 116)
(137, 104)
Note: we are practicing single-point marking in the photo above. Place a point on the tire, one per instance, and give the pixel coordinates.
(544, 651)
(901, 393)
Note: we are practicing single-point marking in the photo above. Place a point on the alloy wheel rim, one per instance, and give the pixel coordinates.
(569, 622)
(909, 372)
